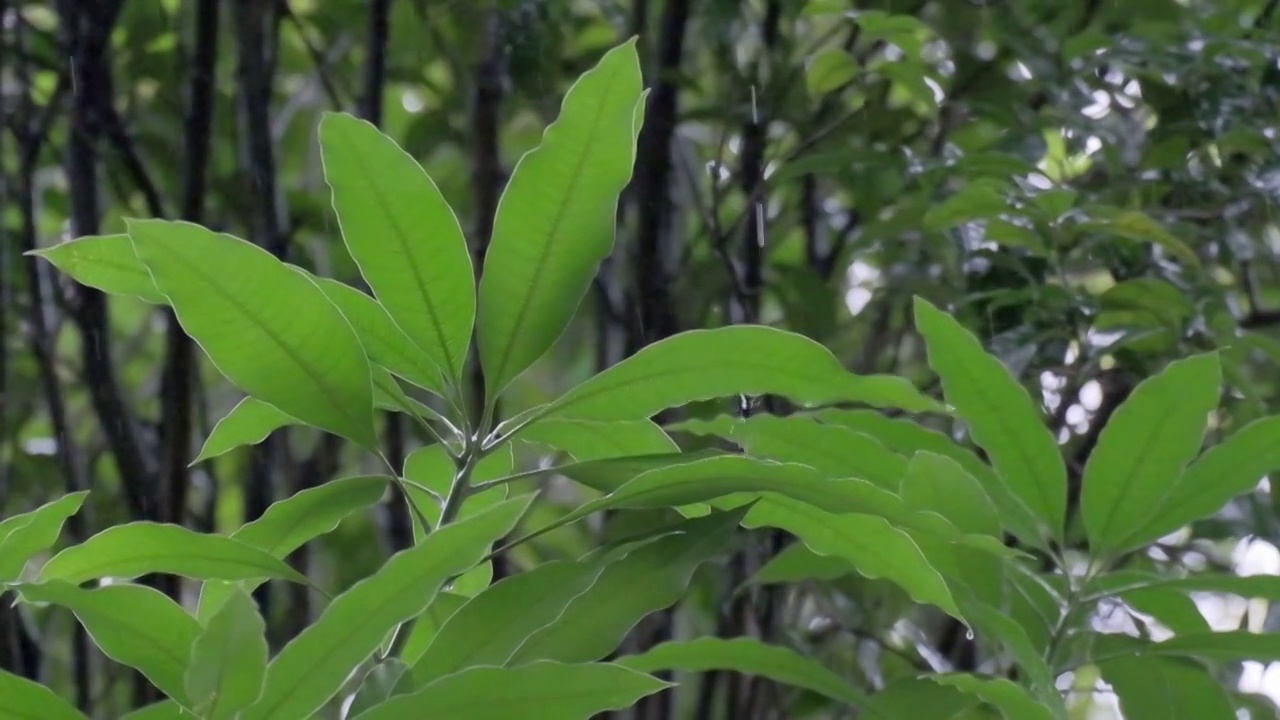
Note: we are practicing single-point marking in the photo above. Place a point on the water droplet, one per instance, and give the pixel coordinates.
(968, 634)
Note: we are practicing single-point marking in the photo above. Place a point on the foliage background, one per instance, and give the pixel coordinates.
(1088, 185)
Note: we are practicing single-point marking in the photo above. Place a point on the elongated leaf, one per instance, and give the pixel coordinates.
(589, 440)
(288, 524)
(228, 660)
(377, 686)
(1230, 468)
(939, 484)
(1001, 417)
(555, 221)
(404, 236)
(311, 668)
(248, 423)
(835, 451)
(1170, 607)
(165, 710)
(1229, 646)
(489, 628)
(649, 578)
(26, 535)
(267, 328)
(727, 361)
(106, 263)
(23, 699)
(1013, 700)
(1123, 582)
(141, 548)
(1156, 688)
(537, 691)
(428, 625)
(749, 657)
(797, 563)
(132, 624)
(1144, 448)
(921, 698)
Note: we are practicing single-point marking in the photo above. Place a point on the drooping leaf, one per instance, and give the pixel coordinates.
(1144, 448)
(289, 523)
(586, 440)
(23, 699)
(141, 548)
(228, 660)
(555, 221)
(537, 691)
(749, 657)
(1001, 418)
(404, 237)
(28, 534)
(106, 263)
(939, 484)
(1012, 699)
(647, 579)
(313, 666)
(266, 327)
(248, 423)
(1151, 688)
(134, 625)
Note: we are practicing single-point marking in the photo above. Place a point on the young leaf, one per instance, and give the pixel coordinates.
(288, 524)
(647, 579)
(248, 423)
(1001, 417)
(23, 699)
(228, 660)
(555, 221)
(1166, 688)
(586, 440)
(537, 691)
(1232, 467)
(404, 236)
(1144, 448)
(132, 624)
(106, 263)
(267, 328)
(938, 484)
(141, 548)
(26, 535)
(314, 665)
(749, 657)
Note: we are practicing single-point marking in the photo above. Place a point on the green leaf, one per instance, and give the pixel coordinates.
(587, 440)
(165, 710)
(313, 666)
(555, 222)
(23, 699)
(134, 625)
(749, 657)
(1155, 688)
(1123, 582)
(1001, 417)
(288, 524)
(732, 360)
(828, 71)
(537, 691)
(1229, 646)
(493, 624)
(106, 263)
(141, 548)
(1013, 700)
(248, 423)
(1144, 448)
(797, 563)
(647, 579)
(1170, 607)
(427, 626)
(24, 536)
(977, 201)
(266, 327)
(384, 341)
(228, 660)
(404, 237)
(922, 698)
(1138, 226)
(377, 686)
(939, 484)
(1232, 467)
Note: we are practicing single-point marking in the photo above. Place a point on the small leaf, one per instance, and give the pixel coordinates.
(313, 666)
(404, 237)
(267, 328)
(1155, 688)
(829, 70)
(977, 201)
(737, 359)
(1136, 225)
(1001, 417)
(1013, 700)
(29, 534)
(747, 656)
(142, 548)
(1144, 448)
(134, 625)
(106, 263)
(589, 440)
(23, 699)
(647, 579)
(228, 660)
(288, 524)
(537, 691)
(939, 484)
(248, 423)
